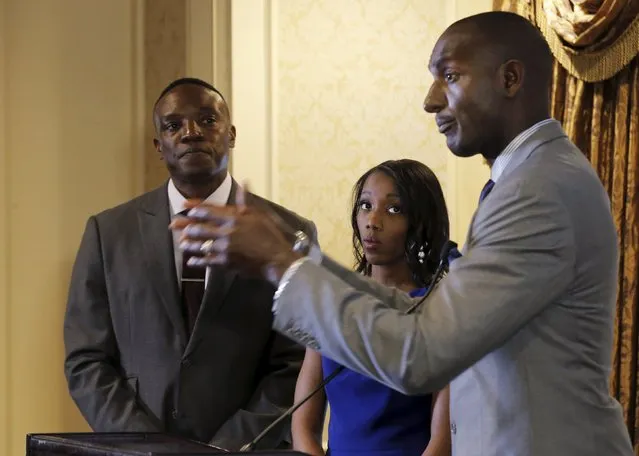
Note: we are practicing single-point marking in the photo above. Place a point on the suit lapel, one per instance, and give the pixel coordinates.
(543, 135)
(157, 239)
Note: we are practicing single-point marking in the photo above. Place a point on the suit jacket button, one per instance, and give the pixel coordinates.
(453, 427)
(186, 362)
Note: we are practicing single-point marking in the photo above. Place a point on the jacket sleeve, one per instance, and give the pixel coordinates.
(101, 392)
(521, 259)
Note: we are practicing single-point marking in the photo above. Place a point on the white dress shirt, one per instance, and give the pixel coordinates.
(219, 197)
(503, 159)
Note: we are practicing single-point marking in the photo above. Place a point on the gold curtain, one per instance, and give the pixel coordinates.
(602, 119)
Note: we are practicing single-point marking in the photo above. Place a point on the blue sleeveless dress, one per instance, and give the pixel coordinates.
(368, 418)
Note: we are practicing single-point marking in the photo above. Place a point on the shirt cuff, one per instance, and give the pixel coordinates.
(314, 256)
(286, 278)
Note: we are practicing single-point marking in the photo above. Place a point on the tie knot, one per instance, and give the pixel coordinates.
(486, 190)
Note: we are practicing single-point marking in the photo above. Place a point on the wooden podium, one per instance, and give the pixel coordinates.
(127, 444)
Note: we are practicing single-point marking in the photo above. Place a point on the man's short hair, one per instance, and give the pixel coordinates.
(183, 81)
(516, 38)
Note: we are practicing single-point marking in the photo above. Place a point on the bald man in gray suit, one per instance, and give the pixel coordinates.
(522, 325)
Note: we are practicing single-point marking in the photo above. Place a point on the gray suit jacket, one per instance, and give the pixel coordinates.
(129, 364)
(522, 325)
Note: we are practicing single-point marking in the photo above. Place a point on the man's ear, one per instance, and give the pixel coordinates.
(512, 77)
(232, 135)
(158, 147)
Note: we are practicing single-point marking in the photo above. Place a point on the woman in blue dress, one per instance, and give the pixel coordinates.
(400, 224)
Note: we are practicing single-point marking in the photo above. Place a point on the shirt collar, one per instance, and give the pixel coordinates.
(504, 158)
(219, 197)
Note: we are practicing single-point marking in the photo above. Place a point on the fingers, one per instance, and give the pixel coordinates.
(209, 246)
(180, 223)
(208, 260)
(205, 247)
(205, 212)
(203, 231)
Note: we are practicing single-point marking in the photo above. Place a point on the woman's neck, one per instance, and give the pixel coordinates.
(397, 275)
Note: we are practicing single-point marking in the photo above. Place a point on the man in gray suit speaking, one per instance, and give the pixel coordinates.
(522, 324)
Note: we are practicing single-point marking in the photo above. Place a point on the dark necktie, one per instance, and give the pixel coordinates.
(486, 190)
(192, 290)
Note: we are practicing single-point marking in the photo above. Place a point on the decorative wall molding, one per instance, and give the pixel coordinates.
(139, 107)
(221, 24)
(165, 59)
(5, 393)
(208, 44)
(199, 39)
(252, 100)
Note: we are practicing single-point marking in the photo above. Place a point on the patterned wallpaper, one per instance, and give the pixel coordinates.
(349, 79)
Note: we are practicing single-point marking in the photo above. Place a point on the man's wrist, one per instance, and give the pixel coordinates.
(279, 264)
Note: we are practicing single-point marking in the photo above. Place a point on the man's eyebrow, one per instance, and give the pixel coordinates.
(439, 62)
(169, 116)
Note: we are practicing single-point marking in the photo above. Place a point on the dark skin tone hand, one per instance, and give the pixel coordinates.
(233, 230)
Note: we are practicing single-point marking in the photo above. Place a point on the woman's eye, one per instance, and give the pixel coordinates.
(394, 210)
(365, 205)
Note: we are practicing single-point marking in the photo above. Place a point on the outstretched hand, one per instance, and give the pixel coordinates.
(241, 236)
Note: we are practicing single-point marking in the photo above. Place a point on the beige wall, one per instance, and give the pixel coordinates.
(70, 133)
(325, 89)
(78, 79)
(4, 253)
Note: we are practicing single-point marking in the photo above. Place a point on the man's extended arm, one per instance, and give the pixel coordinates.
(521, 259)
